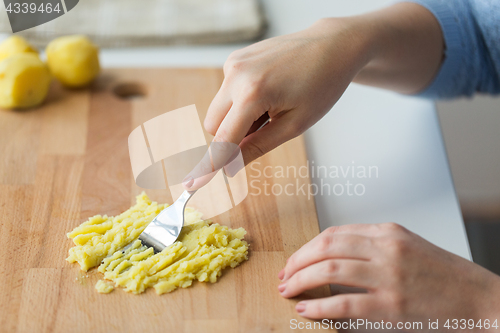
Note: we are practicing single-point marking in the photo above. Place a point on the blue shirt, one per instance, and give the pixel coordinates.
(471, 30)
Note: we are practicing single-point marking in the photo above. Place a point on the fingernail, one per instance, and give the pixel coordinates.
(281, 274)
(300, 307)
(282, 287)
(188, 181)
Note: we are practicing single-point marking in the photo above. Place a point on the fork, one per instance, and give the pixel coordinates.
(166, 226)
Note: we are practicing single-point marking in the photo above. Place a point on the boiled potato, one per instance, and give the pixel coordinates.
(13, 45)
(24, 81)
(73, 60)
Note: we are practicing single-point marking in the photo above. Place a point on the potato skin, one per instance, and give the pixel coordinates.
(14, 45)
(24, 81)
(73, 60)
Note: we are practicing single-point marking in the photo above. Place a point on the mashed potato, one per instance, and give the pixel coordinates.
(104, 287)
(201, 252)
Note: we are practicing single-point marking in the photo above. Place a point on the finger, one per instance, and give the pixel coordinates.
(238, 121)
(193, 183)
(367, 230)
(217, 156)
(339, 307)
(278, 131)
(219, 107)
(235, 163)
(329, 246)
(232, 130)
(345, 272)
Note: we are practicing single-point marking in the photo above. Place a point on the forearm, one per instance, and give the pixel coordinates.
(403, 46)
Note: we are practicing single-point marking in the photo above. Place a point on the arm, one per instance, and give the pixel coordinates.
(471, 30)
(406, 48)
(456, 42)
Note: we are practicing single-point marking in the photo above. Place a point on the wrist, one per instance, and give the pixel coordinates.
(403, 46)
(351, 34)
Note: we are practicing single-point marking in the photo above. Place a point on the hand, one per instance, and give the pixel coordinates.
(295, 78)
(406, 277)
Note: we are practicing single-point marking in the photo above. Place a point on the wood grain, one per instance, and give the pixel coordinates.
(68, 160)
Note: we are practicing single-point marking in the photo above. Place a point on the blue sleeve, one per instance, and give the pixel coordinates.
(471, 63)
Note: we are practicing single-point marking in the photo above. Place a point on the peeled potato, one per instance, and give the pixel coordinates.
(73, 60)
(13, 45)
(24, 81)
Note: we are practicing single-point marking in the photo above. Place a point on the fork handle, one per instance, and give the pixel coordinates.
(183, 199)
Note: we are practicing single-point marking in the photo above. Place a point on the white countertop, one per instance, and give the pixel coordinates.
(398, 135)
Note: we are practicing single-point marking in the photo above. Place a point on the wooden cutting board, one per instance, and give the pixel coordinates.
(68, 160)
